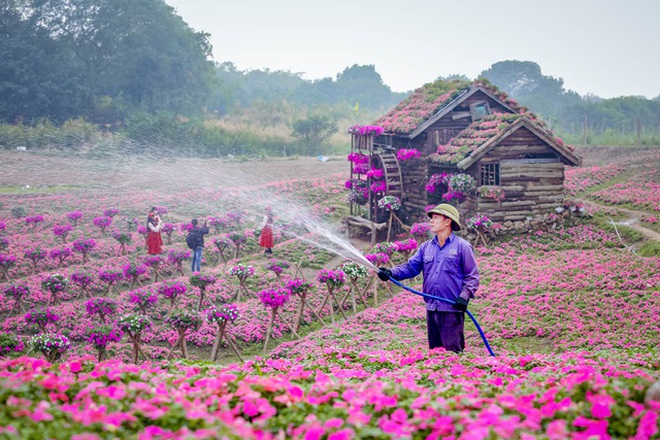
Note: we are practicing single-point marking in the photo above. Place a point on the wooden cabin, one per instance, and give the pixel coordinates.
(516, 163)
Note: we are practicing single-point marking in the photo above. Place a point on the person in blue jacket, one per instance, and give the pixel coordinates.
(450, 271)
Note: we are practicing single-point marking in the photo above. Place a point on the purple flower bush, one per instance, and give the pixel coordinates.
(110, 212)
(41, 317)
(332, 278)
(60, 255)
(277, 266)
(172, 290)
(62, 231)
(84, 247)
(274, 298)
(74, 217)
(82, 279)
(101, 336)
(102, 223)
(143, 299)
(101, 307)
(34, 220)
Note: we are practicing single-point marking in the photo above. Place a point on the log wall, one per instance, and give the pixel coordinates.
(533, 186)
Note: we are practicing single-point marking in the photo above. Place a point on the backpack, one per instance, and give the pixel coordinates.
(191, 239)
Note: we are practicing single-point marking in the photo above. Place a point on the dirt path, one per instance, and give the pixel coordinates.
(632, 222)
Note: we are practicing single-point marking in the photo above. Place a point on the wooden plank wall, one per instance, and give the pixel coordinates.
(531, 188)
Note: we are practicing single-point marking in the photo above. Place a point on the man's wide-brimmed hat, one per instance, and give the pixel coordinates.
(448, 211)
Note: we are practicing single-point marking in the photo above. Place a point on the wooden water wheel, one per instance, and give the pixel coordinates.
(391, 173)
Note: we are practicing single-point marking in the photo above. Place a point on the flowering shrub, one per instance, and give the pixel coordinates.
(202, 281)
(110, 276)
(102, 223)
(358, 191)
(277, 266)
(333, 278)
(298, 286)
(406, 154)
(492, 192)
(463, 183)
(60, 255)
(134, 323)
(478, 222)
(358, 158)
(10, 343)
(241, 271)
(82, 278)
(52, 346)
(101, 306)
(175, 256)
(377, 259)
(226, 313)
(101, 336)
(143, 298)
(184, 320)
(238, 238)
(406, 246)
(390, 203)
(74, 216)
(378, 186)
(274, 298)
(41, 317)
(55, 283)
(35, 256)
(172, 289)
(122, 237)
(62, 231)
(110, 212)
(34, 220)
(421, 231)
(436, 180)
(142, 230)
(354, 270)
(385, 247)
(6, 262)
(84, 247)
(375, 173)
(152, 260)
(16, 291)
(366, 130)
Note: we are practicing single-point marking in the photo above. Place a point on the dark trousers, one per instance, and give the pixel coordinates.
(445, 329)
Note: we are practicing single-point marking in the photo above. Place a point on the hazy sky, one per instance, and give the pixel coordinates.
(605, 47)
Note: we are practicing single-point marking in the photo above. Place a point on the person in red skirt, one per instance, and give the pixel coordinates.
(154, 226)
(266, 236)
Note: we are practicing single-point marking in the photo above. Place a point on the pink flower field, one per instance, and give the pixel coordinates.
(102, 341)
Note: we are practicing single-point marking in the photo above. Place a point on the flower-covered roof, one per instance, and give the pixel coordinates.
(430, 99)
(487, 128)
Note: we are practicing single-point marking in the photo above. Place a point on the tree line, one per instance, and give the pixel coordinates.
(138, 69)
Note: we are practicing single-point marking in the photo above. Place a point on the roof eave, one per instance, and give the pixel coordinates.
(477, 154)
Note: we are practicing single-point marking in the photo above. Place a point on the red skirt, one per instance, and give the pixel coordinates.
(154, 243)
(266, 237)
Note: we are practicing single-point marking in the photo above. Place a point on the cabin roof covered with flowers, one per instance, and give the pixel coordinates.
(432, 101)
(482, 135)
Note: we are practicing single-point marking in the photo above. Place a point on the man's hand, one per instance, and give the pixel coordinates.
(384, 273)
(461, 304)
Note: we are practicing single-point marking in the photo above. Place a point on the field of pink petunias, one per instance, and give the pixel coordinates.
(571, 314)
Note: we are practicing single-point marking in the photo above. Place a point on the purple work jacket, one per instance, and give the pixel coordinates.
(450, 271)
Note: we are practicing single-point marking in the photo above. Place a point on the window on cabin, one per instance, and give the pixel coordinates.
(490, 174)
(479, 109)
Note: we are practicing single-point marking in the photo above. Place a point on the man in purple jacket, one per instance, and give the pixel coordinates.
(450, 271)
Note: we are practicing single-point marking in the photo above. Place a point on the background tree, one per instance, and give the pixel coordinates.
(313, 131)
